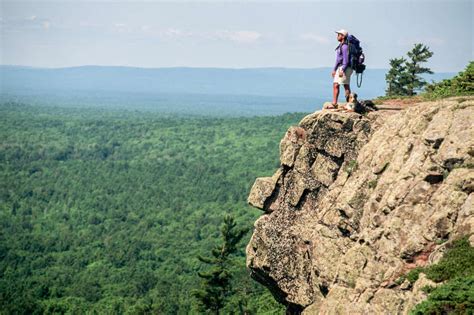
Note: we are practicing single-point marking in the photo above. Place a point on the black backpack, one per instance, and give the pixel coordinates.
(356, 57)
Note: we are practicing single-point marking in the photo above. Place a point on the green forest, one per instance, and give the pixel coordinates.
(106, 211)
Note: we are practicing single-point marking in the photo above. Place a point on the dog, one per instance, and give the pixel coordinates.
(362, 107)
(352, 104)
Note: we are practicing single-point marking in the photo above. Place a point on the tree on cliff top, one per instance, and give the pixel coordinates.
(404, 78)
(216, 285)
(395, 77)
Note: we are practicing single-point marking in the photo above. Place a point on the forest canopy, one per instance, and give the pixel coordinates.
(108, 210)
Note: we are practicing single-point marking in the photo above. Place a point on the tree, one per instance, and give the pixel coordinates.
(396, 77)
(216, 284)
(404, 77)
(419, 54)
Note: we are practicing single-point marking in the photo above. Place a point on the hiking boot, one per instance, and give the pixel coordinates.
(329, 105)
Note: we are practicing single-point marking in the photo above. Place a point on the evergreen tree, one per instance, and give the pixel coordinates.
(396, 77)
(404, 77)
(216, 284)
(419, 54)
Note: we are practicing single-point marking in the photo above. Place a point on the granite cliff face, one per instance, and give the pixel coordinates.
(358, 201)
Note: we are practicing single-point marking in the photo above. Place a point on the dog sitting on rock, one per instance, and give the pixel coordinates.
(353, 105)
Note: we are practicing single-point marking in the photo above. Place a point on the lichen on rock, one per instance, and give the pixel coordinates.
(359, 200)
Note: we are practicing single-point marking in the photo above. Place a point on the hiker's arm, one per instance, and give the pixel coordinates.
(345, 57)
(336, 64)
(338, 59)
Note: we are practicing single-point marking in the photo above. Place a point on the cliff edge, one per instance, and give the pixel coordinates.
(358, 201)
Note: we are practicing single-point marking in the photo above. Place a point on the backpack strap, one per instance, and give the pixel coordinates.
(357, 79)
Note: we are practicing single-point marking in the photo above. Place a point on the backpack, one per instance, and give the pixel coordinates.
(356, 57)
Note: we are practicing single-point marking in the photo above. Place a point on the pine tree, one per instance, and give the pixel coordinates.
(419, 54)
(216, 285)
(396, 77)
(403, 78)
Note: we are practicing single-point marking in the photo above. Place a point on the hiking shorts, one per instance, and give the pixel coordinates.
(346, 77)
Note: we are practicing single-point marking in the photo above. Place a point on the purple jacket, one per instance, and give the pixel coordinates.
(342, 56)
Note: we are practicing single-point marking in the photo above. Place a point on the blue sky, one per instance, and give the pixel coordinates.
(231, 34)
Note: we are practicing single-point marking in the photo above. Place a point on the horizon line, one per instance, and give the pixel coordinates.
(173, 67)
(197, 67)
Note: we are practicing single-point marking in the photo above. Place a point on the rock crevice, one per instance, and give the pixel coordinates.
(359, 200)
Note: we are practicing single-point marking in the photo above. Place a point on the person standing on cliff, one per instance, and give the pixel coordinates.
(342, 71)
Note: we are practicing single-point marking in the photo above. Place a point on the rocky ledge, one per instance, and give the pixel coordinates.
(360, 200)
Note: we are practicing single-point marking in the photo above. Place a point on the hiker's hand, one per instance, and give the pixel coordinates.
(333, 74)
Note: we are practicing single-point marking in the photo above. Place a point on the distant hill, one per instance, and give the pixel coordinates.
(218, 86)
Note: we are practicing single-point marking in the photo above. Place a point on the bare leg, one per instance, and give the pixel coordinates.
(335, 92)
(347, 91)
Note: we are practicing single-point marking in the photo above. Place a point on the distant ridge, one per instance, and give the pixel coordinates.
(276, 81)
(201, 91)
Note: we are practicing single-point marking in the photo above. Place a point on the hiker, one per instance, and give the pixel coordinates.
(342, 71)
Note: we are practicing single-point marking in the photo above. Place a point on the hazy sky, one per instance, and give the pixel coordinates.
(234, 34)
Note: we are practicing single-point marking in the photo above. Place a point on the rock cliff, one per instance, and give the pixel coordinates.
(360, 200)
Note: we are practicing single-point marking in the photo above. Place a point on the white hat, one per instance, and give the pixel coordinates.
(342, 31)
